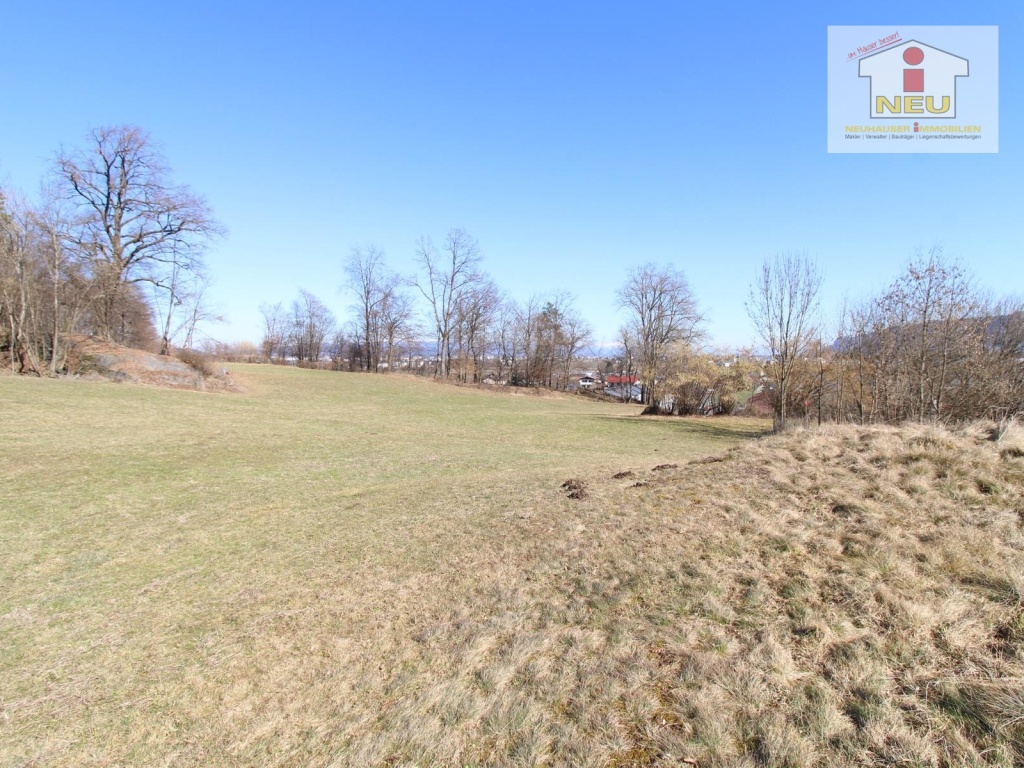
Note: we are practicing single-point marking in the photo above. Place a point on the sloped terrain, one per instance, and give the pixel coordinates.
(349, 570)
(846, 597)
(840, 598)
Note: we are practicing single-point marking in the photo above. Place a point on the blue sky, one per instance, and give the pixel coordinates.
(573, 140)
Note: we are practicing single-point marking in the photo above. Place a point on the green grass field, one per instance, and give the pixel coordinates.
(269, 577)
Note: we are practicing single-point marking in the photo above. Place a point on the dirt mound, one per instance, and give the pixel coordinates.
(576, 489)
(92, 357)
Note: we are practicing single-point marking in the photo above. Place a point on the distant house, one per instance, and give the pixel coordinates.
(619, 380)
(588, 382)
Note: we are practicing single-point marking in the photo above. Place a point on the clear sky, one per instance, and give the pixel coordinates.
(573, 140)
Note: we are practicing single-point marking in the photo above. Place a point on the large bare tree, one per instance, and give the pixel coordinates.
(575, 336)
(448, 273)
(133, 224)
(661, 311)
(782, 303)
(383, 311)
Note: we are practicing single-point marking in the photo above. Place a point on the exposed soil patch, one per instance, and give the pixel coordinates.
(577, 488)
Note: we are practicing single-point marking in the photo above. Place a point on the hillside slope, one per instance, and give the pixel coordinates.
(840, 598)
(848, 597)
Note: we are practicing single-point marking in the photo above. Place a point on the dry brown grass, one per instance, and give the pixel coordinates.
(846, 597)
(853, 596)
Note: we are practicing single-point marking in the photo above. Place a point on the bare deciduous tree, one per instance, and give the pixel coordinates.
(312, 323)
(661, 311)
(179, 299)
(475, 312)
(447, 275)
(398, 327)
(1003, 390)
(627, 362)
(67, 276)
(274, 331)
(384, 312)
(132, 223)
(781, 304)
(576, 336)
(931, 347)
(42, 290)
(506, 340)
(927, 307)
(370, 281)
(17, 286)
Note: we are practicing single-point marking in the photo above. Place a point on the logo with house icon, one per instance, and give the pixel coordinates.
(913, 80)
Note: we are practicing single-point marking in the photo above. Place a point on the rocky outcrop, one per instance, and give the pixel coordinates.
(92, 357)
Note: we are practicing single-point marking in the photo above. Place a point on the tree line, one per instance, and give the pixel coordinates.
(468, 330)
(114, 249)
(932, 347)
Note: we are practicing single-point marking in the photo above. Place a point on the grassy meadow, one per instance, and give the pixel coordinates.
(241, 578)
(348, 570)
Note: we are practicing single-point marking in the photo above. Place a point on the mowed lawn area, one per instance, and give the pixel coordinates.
(321, 569)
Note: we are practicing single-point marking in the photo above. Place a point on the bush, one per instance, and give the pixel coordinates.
(197, 361)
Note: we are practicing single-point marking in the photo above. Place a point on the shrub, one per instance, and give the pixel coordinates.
(197, 361)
